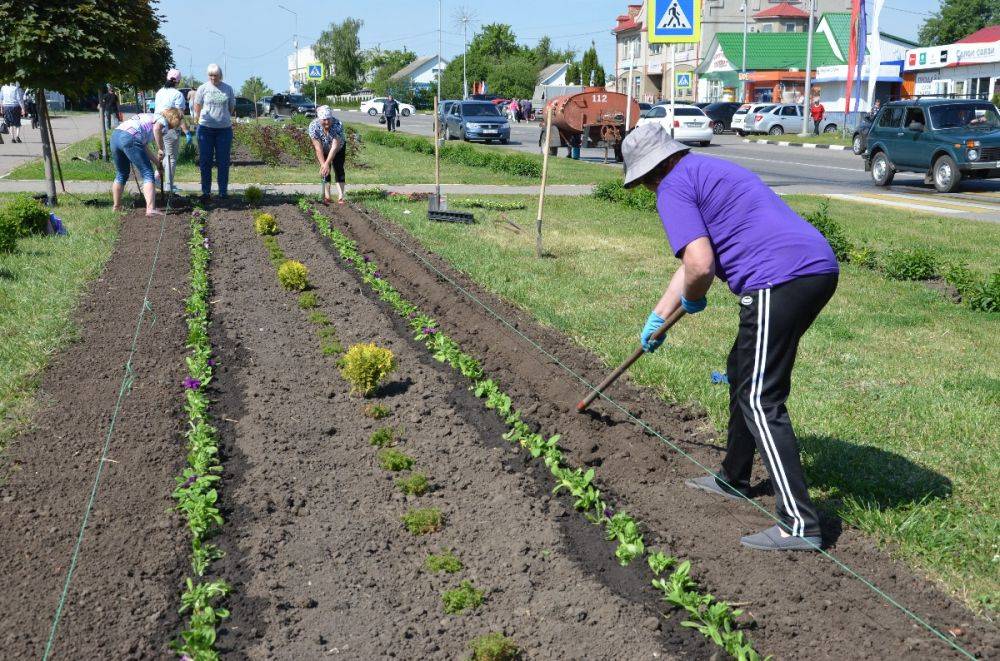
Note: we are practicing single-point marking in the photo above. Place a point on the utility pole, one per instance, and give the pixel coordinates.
(295, 44)
(743, 68)
(463, 17)
(190, 59)
(440, 50)
(809, 54)
(225, 50)
(628, 93)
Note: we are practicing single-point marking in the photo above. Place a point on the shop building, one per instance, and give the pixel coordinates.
(968, 68)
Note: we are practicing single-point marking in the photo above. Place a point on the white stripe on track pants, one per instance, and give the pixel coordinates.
(772, 321)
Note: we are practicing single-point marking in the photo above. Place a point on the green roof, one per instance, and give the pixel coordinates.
(840, 27)
(769, 51)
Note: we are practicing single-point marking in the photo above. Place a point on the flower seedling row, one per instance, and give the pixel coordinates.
(196, 492)
(714, 619)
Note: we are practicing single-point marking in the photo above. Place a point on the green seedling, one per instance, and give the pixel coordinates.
(383, 437)
(494, 647)
(274, 251)
(423, 521)
(415, 485)
(660, 562)
(308, 300)
(319, 318)
(334, 348)
(446, 562)
(394, 460)
(462, 598)
(376, 411)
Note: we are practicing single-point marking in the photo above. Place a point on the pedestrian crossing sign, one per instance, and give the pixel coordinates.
(683, 79)
(314, 71)
(674, 21)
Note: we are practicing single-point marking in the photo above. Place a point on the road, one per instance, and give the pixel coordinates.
(67, 129)
(788, 170)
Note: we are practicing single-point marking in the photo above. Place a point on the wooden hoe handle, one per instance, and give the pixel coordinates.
(592, 395)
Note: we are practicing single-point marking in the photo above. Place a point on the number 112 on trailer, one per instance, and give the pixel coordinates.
(674, 21)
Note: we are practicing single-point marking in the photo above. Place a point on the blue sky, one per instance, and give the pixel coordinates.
(258, 34)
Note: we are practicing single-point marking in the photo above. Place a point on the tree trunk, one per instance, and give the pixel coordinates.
(50, 175)
(104, 128)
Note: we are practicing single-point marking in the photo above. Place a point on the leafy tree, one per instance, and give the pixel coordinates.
(191, 81)
(339, 48)
(331, 86)
(496, 41)
(390, 64)
(957, 19)
(591, 72)
(573, 74)
(545, 55)
(515, 77)
(76, 47)
(254, 88)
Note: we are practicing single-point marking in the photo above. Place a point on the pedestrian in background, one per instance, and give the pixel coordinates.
(515, 110)
(816, 111)
(327, 135)
(722, 221)
(32, 107)
(169, 96)
(389, 109)
(110, 104)
(526, 109)
(129, 145)
(214, 104)
(12, 100)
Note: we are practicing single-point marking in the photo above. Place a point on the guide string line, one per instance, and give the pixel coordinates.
(642, 423)
(128, 378)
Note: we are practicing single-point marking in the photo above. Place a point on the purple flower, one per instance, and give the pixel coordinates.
(377, 274)
(608, 512)
(367, 258)
(427, 330)
(188, 482)
(191, 383)
(412, 315)
(211, 362)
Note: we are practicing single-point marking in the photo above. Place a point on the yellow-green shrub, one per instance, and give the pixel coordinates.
(265, 224)
(293, 275)
(365, 366)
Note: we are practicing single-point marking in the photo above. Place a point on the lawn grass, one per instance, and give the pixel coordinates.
(39, 288)
(383, 165)
(821, 139)
(896, 391)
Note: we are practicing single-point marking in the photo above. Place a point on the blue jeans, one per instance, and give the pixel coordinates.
(127, 150)
(214, 145)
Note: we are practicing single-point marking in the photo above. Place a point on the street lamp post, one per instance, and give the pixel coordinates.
(225, 49)
(809, 54)
(190, 60)
(743, 67)
(295, 43)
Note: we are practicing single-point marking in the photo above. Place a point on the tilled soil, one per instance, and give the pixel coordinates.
(124, 595)
(318, 557)
(804, 605)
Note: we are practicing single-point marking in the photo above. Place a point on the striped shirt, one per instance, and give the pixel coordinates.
(141, 126)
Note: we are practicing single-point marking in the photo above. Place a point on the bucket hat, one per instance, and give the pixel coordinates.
(646, 147)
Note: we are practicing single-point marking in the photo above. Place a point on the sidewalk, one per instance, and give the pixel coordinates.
(66, 128)
(91, 187)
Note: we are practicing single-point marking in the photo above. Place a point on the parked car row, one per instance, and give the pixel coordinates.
(473, 120)
(687, 123)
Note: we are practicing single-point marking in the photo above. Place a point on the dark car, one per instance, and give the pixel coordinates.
(476, 120)
(859, 137)
(245, 107)
(291, 104)
(721, 113)
(946, 139)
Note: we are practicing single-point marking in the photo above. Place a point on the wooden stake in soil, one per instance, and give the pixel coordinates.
(545, 172)
(55, 150)
(50, 177)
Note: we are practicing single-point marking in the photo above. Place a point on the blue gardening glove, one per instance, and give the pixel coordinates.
(187, 137)
(653, 323)
(692, 307)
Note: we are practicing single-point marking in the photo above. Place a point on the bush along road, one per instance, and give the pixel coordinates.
(373, 508)
(716, 620)
(787, 597)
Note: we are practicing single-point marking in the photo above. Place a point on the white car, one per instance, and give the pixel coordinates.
(689, 123)
(374, 107)
(741, 125)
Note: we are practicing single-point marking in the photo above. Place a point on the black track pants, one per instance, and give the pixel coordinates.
(760, 374)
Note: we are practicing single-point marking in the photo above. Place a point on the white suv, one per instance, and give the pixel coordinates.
(374, 107)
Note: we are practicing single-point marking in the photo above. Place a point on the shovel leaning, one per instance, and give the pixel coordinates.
(621, 369)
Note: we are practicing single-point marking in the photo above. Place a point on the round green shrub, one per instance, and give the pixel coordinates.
(9, 231)
(265, 224)
(293, 275)
(25, 213)
(912, 264)
(253, 195)
(985, 297)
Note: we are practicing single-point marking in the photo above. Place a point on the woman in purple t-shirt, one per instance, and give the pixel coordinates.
(722, 220)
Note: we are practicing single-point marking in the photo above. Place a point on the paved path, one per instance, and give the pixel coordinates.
(66, 128)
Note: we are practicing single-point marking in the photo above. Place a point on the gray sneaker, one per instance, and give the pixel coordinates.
(772, 540)
(711, 485)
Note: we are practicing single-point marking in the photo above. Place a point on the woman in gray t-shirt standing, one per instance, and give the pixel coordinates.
(214, 103)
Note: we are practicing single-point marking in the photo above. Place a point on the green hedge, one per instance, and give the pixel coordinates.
(518, 165)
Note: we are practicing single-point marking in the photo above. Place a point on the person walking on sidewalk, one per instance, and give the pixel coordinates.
(110, 103)
(12, 100)
(169, 96)
(722, 221)
(390, 109)
(817, 112)
(327, 135)
(129, 144)
(214, 104)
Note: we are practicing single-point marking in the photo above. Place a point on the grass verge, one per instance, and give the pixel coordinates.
(821, 139)
(39, 288)
(895, 395)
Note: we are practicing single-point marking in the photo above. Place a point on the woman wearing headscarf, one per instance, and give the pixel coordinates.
(327, 135)
(129, 145)
(169, 96)
(214, 104)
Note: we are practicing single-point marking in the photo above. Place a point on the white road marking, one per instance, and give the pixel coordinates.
(890, 203)
(771, 160)
(958, 202)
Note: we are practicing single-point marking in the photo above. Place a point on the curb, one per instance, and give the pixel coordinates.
(806, 145)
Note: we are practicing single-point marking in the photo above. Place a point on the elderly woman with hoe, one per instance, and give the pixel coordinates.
(327, 135)
(129, 144)
(722, 221)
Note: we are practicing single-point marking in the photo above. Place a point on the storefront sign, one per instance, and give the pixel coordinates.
(926, 83)
(936, 57)
(719, 62)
